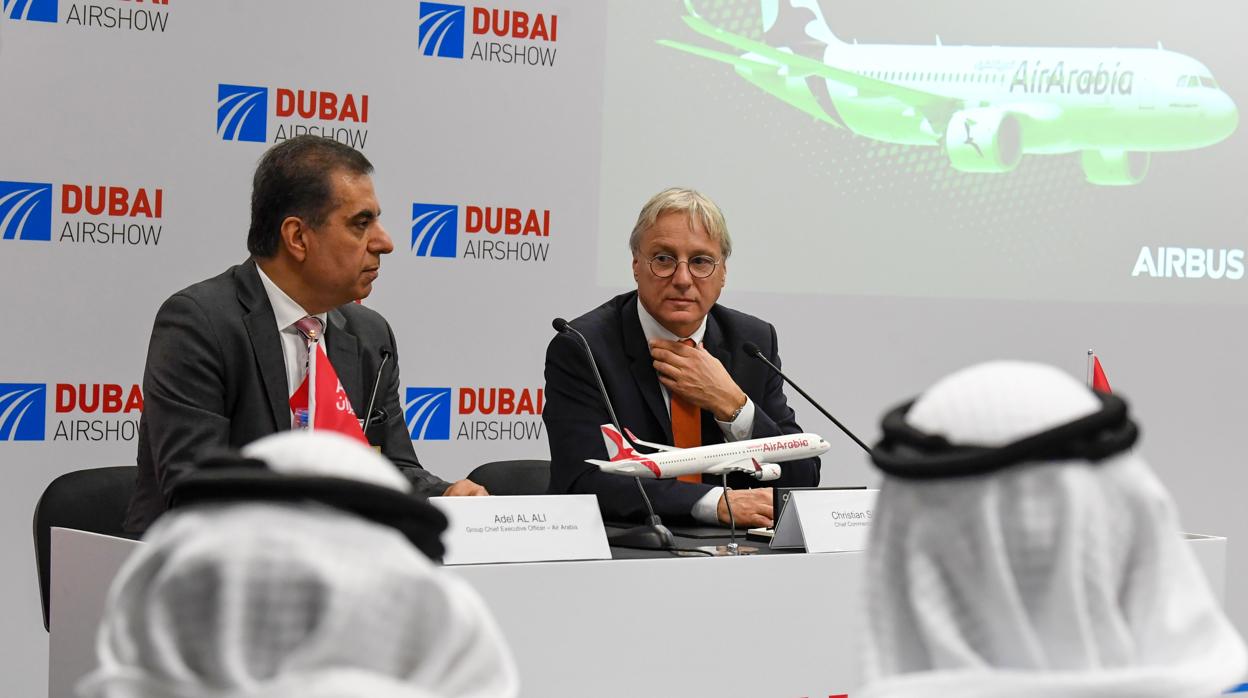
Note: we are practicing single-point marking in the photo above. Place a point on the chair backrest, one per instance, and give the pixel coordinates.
(513, 476)
(87, 500)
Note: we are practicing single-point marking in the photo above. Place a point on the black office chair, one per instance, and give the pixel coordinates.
(513, 476)
(92, 500)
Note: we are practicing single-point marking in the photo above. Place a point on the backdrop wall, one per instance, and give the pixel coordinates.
(129, 132)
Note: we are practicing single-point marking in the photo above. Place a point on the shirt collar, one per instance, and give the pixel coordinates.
(653, 330)
(285, 310)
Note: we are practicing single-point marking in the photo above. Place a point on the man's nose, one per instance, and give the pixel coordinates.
(381, 242)
(681, 276)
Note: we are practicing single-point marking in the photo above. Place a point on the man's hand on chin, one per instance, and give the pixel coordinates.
(465, 488)
(697, 376)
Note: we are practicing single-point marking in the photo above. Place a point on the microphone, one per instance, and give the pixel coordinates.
(653, 535)
(562, 325)
(752, 349)
(372, 400)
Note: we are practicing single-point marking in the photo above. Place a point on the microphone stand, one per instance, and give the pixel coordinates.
(651, 535)
(372, 400)
(733, 548)
(753, 350)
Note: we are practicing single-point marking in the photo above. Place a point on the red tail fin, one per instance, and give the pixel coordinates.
(618, 448)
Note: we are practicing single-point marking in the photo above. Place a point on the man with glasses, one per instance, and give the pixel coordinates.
(673, 363)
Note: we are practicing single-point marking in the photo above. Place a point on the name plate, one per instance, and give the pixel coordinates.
(826, 521)
(532, 528)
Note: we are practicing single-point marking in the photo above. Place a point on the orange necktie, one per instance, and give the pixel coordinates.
(686, 424)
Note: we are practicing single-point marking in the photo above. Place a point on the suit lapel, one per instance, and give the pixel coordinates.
(262, 330)
(713, 340)
(642, 366)
(344, 354)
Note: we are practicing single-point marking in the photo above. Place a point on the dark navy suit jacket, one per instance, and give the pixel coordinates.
(574, 409)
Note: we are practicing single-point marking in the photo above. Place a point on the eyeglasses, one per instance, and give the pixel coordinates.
(700, 267)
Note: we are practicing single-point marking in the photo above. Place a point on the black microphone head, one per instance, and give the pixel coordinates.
(559, 324)
(752, 349)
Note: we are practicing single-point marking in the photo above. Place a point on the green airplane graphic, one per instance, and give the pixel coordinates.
(986, 106)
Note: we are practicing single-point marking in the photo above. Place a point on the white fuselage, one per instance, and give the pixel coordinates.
(1074, 98)
(719, 458)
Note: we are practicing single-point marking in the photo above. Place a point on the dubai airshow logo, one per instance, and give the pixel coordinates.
(435, 230)
(499, 36)
(243, 114)
(32, 10)
(490, 233)
(25, 211)
(23, 409)
(480, 414)
(428, 413)
(441, 30)
(83, 411)
(99, 214)
(102, 15)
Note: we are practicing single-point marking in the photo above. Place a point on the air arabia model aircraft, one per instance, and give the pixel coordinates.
(985, 105)
(755, 457)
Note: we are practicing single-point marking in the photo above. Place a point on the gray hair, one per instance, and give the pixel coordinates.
(680, 200)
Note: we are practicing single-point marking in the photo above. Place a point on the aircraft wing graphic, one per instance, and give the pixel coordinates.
(763, 74)
(800, 66)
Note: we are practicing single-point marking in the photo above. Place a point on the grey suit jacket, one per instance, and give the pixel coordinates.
(215, 379)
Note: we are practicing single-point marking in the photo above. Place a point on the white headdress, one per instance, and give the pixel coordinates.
(270, 599)
(1063, 578)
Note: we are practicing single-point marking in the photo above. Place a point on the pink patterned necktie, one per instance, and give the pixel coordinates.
(310, 328)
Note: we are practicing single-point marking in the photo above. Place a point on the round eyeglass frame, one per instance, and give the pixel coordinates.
(688, 265)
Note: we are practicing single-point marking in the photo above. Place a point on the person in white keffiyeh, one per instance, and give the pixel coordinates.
(272, 599)
(1045, 577)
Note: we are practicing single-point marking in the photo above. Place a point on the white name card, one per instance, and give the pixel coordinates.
(531, 528)
(826, 521)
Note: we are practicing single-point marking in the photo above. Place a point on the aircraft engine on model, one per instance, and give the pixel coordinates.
(984, 140)
(1114, 167)
(769, 471)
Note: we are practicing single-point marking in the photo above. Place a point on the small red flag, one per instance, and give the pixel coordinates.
(329, 407)
(1099, 382)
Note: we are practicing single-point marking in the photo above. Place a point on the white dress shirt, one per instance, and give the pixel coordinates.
(294, 349)
(705, 509)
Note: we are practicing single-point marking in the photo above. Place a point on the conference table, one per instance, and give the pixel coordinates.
(776, 624)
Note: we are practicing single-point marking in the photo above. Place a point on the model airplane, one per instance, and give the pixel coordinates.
(755, 457)
(986, 106)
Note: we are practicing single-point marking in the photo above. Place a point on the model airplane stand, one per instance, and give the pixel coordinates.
(733, 548)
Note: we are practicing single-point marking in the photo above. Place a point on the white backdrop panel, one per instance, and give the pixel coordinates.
(90, 104)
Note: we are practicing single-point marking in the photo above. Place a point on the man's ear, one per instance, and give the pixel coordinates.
(636, 262)
(294, 237)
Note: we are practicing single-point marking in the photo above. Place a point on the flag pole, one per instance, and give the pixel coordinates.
(1088, 369)
(313, 351)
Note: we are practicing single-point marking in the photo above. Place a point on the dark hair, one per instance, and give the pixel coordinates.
(293, 179)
